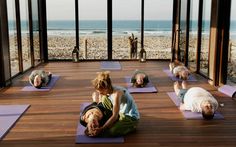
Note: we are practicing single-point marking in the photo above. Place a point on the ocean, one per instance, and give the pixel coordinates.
(119, 27)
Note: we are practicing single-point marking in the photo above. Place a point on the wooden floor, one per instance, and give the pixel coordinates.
(53, 116)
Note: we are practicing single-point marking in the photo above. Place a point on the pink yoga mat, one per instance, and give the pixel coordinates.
(228, 90)
(173, 78)
(9, 114)
(189, 114)
(148, 88)
(47, 88)
(84, 139)
(110, 65)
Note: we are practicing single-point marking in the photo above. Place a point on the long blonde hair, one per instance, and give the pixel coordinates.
(103, 81)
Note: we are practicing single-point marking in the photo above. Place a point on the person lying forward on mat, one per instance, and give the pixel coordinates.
(125, 114)
(179, 70)
(93, 116)
(39, 78)
(196, 99)
(139, 79)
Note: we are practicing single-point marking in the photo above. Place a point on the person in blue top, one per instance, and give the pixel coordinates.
(125, 114)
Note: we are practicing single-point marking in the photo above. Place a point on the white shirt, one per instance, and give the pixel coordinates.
(179, 68)
(195, 96)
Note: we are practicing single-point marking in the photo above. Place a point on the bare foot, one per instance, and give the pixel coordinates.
(184, 84)
(176, 87)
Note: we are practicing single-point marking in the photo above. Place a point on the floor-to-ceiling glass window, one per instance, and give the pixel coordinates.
(158, 28)
(182, 31)
(126, 27)
(14, 57)
(35, 24)
(232, 46)
(93, 29)
(26, 53)
(193, 29)
(204, 53)
(60, 28)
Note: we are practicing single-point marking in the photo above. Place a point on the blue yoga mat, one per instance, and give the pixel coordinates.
(173, 78)
(9, 114)
(189, 114)
(47, 88)
(110, 65)
(148, 88)
(84, 139)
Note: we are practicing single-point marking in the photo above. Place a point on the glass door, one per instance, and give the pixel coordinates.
(182, 31)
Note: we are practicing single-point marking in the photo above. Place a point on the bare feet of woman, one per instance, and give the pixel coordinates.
(176, 87)
(184, 84)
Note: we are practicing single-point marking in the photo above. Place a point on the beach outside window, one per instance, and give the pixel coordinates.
(193, 28)
(26, 54)
(126, 29)
(35, 22)
(158, 28)
(182, 31)
(60, 28)
(205, 37)
(93, 29)
(13, 45)
(232, 46)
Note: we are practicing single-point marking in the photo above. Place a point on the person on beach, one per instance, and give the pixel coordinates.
(125, 114)
(196, 99)
(39, 78)
(179, 70)
(139, 79)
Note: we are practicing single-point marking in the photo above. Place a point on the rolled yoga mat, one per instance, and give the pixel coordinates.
(228, 90)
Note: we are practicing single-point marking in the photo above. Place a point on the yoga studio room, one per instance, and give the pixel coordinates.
(121, 73)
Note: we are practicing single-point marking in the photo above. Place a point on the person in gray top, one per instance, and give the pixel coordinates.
(39, 78)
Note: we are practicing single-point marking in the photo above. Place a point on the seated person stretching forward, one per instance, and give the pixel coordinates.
(196, 99)
(94, 116)
(179, 70)
(139, 79)
(125, 115)
(39, 78)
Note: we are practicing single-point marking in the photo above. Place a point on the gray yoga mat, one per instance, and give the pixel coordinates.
(189, 114)
(110, 65)
(149, 88)
(173, 78)
(47, 88)
(228, 90)
(9, 114)
(84, 139)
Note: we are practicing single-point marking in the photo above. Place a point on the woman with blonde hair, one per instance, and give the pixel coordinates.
(125, 115)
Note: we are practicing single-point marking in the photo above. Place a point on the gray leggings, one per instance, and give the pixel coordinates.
(181, 94)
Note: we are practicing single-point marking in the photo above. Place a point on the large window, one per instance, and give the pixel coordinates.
(13, 45)
(158, 28)
(193, 29)
(35, 23)
(232, 46)
(25, 37)
(61, 28)
(126, 23)
(93, 29)
(204, 53)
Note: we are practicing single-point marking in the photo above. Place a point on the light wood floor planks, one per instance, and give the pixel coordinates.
(53, 116)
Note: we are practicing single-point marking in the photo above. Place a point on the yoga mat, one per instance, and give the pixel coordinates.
(148, 88)
(110, 65)
(9, 114)
(228, 90)
(84, 139)
(47, 88)
(173, 78)
(189, 114)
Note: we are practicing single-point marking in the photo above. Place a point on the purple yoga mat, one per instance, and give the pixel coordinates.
(9, 114)
(47, 88)
(228, 90)
(189, 114)
(173, 78)
(110, 65)
(148, 88)
(84, 139)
